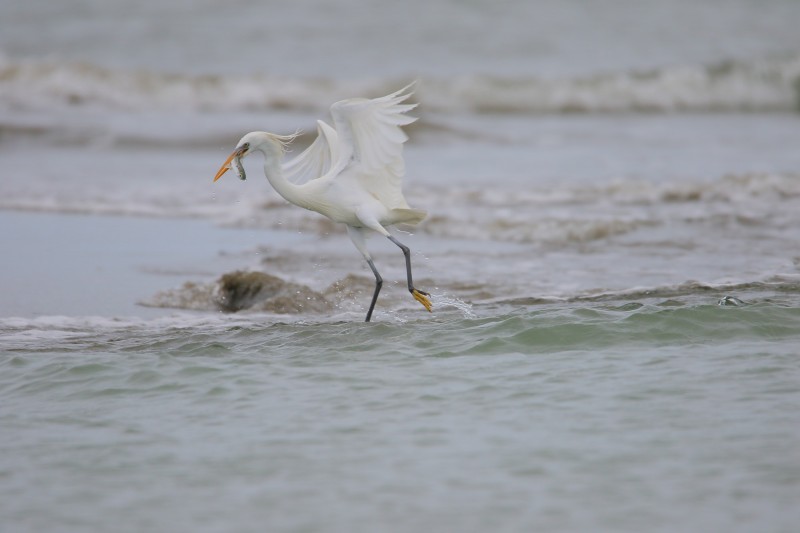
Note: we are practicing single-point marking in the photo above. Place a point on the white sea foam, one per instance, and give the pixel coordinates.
(556, 214)
(18, 332)
(769, 84)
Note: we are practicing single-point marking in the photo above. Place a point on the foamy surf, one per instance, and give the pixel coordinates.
(255, 291)
(769, 84)
(566, 214)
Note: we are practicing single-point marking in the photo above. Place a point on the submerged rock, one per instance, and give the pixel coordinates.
(242, 290)
(259, 291)
(239, 290)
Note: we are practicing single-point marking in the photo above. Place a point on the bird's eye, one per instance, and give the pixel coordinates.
(246, 146)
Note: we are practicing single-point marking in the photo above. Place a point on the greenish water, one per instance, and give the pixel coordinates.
(597, 177)
(673, 415)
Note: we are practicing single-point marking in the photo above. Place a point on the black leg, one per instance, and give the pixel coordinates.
(420, 296)
(378, 285)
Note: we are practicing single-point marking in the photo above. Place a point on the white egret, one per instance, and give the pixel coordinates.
(351, 174)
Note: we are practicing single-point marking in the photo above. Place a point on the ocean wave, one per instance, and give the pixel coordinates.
(771, 84)
(678, 315)
(670, 295)
(556, 215)
(565, 215)
(768, 85)
(591, 213)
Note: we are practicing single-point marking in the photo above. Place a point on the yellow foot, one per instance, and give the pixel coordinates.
(422, 297)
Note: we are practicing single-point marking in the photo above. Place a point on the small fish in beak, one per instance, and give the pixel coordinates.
(236, 163)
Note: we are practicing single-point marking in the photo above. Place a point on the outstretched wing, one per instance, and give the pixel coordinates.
(370, 136)
(317, 159)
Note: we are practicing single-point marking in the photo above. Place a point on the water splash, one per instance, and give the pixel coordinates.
(443, 300)
(727, 301)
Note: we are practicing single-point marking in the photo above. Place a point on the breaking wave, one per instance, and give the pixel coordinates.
(590, 213)
(771, 84)
(569, 214)
(671, 314)
(673, 295)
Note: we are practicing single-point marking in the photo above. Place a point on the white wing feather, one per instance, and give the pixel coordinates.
(317, 159)
(370, 137)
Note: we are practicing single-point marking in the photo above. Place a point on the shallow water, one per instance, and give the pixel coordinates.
(565, 417)
(612, 251)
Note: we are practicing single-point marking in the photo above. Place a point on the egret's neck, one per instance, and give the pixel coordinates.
(272, 170)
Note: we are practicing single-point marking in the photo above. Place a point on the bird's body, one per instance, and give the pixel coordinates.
(352, 174)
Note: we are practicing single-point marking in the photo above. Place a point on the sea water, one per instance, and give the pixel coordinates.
(613, 193)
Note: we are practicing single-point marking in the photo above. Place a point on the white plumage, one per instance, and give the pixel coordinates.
(352, 174)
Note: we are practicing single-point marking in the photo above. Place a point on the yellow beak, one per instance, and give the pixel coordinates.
(226, 166)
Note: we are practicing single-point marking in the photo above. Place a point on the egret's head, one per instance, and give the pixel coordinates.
(268, 143)
(244, 147)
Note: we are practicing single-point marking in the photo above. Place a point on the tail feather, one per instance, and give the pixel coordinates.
(409, 216)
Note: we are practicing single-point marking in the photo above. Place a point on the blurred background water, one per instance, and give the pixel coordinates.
(614, 197)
